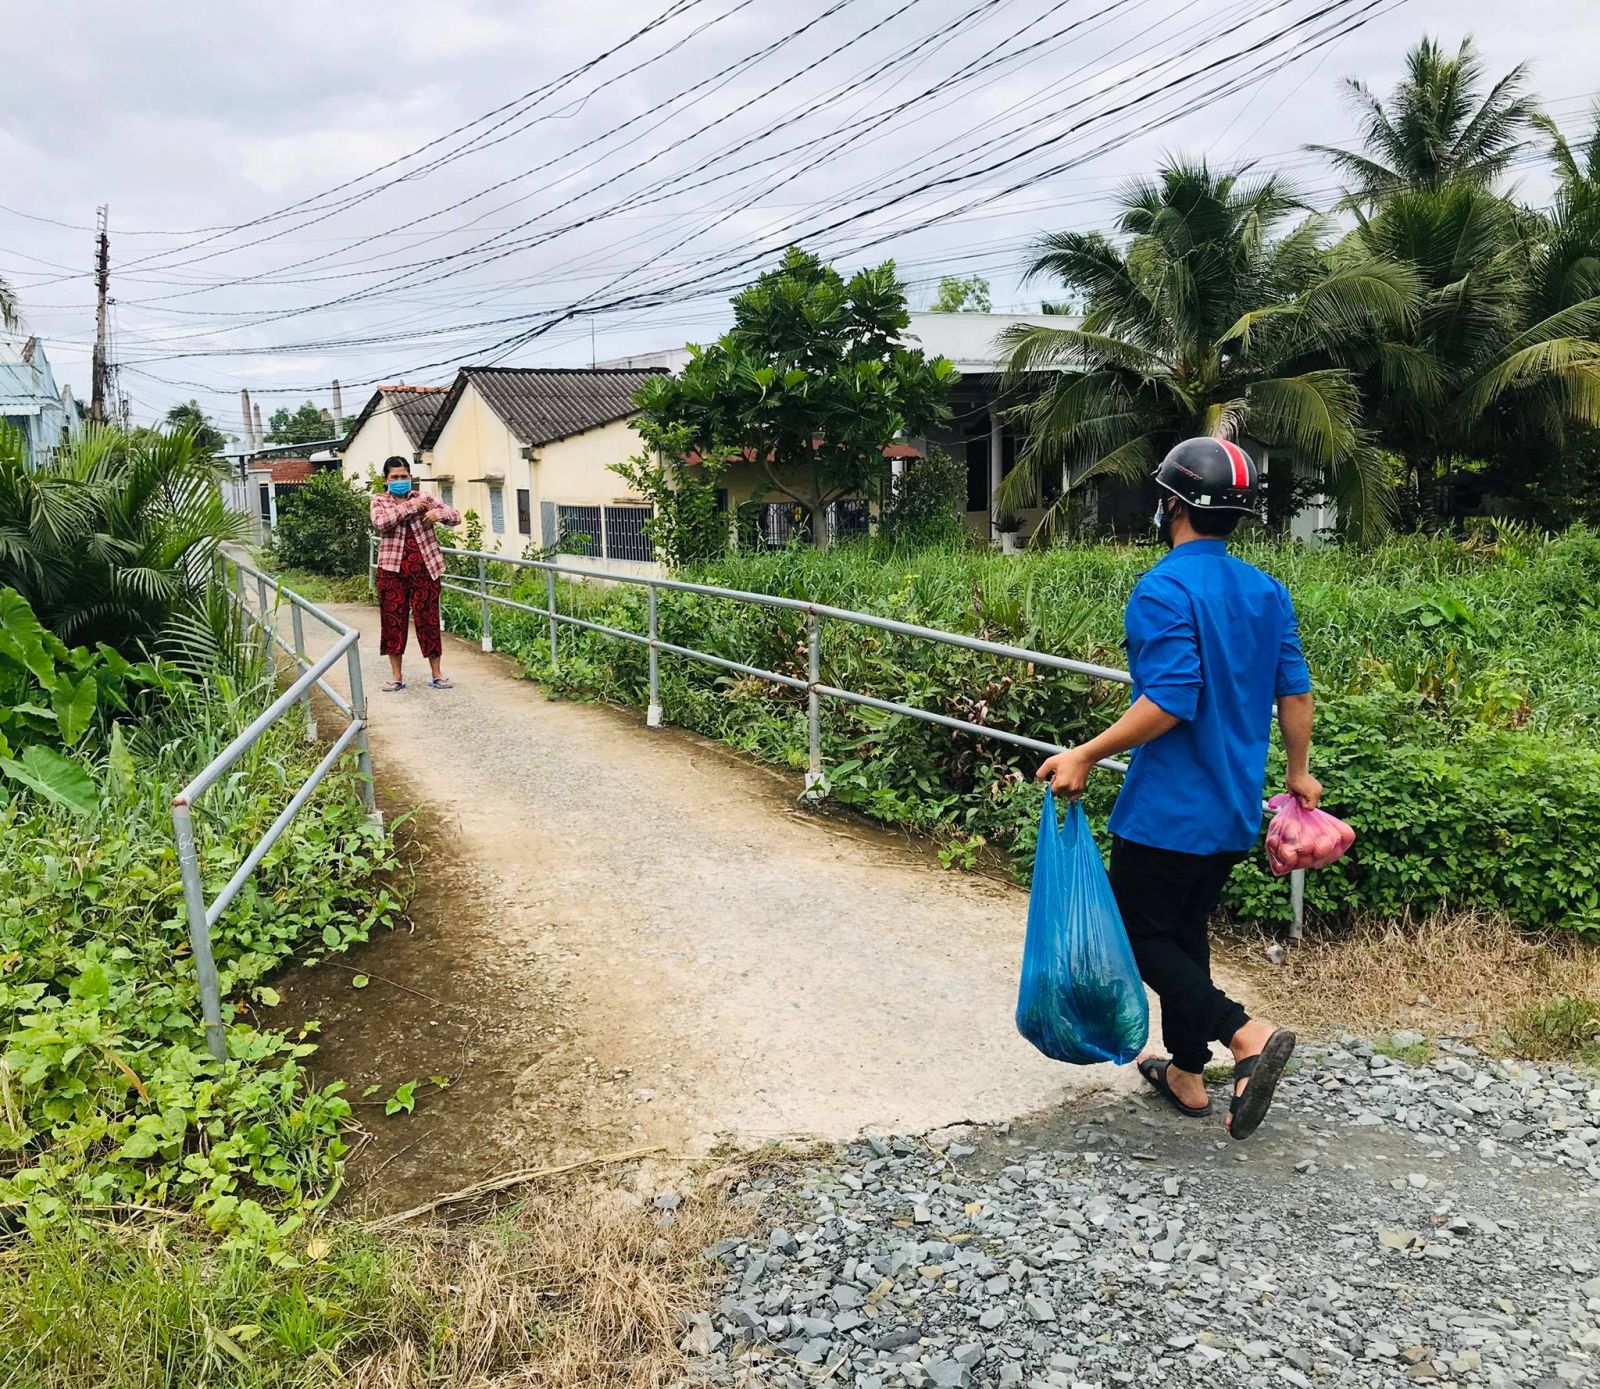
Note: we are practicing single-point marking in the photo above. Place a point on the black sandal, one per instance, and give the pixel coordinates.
(1262, 1073)
(1154, 1070)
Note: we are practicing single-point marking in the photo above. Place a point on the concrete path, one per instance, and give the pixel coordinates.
(753, 968)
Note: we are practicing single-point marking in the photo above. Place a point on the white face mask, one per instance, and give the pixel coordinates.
(1160, 507)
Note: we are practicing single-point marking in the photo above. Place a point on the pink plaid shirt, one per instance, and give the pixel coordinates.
(393, 518)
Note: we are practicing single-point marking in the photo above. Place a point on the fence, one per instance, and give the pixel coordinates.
(481, 586)
(203, 915)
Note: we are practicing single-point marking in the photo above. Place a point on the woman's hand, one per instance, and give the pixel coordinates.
(420, 504)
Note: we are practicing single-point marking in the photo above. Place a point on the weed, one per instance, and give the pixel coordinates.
(1559, 1028)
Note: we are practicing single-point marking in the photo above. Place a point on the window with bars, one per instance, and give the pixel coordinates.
(626, 536)
(851, 517)
(524, 512)
(580, 530)
(497, 510)
(447, 493)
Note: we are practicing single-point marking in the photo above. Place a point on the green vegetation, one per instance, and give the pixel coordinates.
(123, 671)
(1560, 1027)
(1459, 726)
(323, 528)
(307, 425)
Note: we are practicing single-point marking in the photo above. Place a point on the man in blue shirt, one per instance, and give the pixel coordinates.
(1212, 643)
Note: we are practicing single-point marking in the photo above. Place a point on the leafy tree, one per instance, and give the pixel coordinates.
(1203, 322)
(112, 539)
(307, 425)
(8, 305)
(191, 417)
(1436, 129)
(957, 295)
(687, 525)
(323, 527)
(1502, 356)
(811, 383)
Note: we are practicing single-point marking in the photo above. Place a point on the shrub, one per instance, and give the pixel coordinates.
(923, 504)
(323, 527)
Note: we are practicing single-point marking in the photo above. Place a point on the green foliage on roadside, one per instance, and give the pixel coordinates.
(923, 505)
(1459, 728)
(323, 527)
(122, 1308)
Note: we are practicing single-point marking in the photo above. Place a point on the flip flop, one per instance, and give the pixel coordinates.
(441, 682)
(1154, 1070)
(394, 687)
(1262, 1073)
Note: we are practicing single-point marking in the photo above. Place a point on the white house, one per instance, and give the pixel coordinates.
(530, 450)
(31, 402)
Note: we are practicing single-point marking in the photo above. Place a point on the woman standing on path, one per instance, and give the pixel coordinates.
(409, 568)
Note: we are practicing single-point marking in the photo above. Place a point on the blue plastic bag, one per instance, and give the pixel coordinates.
(1081, 1000)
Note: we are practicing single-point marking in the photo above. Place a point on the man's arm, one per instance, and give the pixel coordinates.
(1295, 715)
(1068, 771)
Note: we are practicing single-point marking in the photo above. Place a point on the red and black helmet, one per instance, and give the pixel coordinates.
(1212, 474)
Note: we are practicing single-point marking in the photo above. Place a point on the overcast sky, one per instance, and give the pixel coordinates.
(196, 118)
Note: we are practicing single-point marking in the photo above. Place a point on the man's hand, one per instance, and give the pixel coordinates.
(1067, 772)
(1305, 788)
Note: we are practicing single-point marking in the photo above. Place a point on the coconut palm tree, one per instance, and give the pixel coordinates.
(112, 539)
(1503, 354)
(1435, 129)
(1203, 321)
(8, 305)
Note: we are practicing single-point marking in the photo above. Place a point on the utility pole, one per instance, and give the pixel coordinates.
(249, 438)
(102, 283)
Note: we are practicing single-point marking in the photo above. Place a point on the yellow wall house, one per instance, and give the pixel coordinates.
(393, 421)
(530, 450)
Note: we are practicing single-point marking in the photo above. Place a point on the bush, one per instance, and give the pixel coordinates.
(1459, 727)
(923, 504)
(323, 527)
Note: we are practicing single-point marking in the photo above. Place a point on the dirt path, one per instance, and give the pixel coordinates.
(638, 936)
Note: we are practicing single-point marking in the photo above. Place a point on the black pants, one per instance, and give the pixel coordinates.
(1166, 899)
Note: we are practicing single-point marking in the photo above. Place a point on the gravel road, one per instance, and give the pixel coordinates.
(1393, 1224)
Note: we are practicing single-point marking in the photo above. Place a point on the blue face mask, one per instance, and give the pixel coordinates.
(399, 487)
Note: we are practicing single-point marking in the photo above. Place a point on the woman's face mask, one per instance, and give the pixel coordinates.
(399, 487)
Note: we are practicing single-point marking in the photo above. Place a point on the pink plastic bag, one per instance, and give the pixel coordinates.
(1300, 838)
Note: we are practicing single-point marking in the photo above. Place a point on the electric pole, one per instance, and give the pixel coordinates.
(102, 283)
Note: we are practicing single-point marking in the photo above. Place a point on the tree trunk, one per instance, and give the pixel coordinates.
(821, 532)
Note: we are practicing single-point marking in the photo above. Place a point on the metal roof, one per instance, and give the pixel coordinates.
(413, 406)
(542, 404)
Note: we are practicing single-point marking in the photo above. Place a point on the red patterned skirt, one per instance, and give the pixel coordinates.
(412, 590)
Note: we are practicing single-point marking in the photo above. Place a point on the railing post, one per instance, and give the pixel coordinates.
(550, 607)
(1297, 895)
(372, 564)
(244, 590)
(194, 900)
(816, 783)
(652, 716)
(358, 711)
(267, 624)
(486, 636)
(297, 623)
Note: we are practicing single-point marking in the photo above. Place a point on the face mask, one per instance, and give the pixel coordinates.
(1164, 523)
(399, 487)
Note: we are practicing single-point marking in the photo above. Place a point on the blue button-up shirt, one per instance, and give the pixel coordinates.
(1213, 641)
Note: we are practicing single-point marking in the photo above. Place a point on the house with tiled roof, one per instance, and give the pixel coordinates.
(394, 421)
(530, 449)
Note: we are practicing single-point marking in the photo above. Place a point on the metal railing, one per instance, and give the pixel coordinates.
(203, 915)
(814, 688)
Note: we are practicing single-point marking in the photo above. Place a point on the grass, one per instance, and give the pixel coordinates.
(1534, 994)
(1558, 1029)
(319, 588)
(575, 1286)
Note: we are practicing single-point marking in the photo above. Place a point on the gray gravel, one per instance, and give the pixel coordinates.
(1393, 1224)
